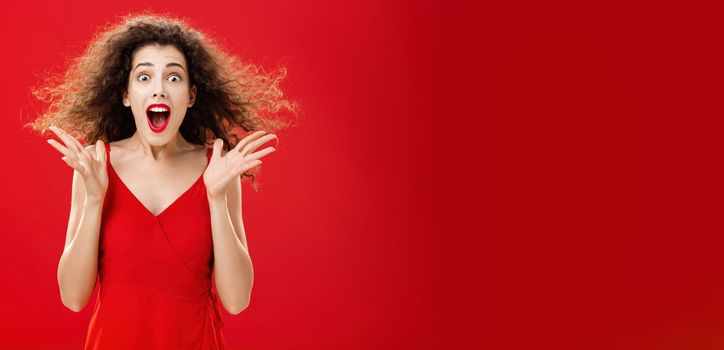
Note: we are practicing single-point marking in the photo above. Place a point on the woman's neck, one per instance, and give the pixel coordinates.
(137, 143)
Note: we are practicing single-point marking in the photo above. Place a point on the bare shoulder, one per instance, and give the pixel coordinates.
(198, 149)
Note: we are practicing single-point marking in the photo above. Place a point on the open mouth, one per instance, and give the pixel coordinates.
(158, 116)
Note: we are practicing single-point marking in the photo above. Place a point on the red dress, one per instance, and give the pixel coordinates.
(155, 273)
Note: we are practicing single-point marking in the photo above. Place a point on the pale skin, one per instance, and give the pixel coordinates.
(158, 168)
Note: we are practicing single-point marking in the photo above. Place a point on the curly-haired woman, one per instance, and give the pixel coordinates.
(155, 211)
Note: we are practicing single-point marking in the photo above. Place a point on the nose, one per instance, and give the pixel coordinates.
(159, 92)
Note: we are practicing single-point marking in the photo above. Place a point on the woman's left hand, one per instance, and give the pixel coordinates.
(222, 170)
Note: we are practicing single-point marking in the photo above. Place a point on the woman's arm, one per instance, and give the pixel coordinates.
(233, 199)
(233, 270)
(77, 269)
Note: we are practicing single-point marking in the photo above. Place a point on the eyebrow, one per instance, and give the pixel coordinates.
(151, 65)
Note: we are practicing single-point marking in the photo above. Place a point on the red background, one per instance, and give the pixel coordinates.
(604, 165)
(354, 236)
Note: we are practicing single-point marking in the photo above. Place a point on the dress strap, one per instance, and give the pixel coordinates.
(208, 155)
(108, 153)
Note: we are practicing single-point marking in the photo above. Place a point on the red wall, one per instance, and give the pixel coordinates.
(354, 238)
(604, 153)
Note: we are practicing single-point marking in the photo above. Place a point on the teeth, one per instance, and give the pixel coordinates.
(158, 109)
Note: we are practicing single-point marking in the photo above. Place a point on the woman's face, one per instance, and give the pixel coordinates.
(158, 92)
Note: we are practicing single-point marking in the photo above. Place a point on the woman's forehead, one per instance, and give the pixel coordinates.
(158, 55)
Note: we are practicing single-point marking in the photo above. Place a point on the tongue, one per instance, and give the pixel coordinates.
(158, 119)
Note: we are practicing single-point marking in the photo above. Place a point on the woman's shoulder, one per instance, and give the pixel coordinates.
(197, 151)
(200, 148)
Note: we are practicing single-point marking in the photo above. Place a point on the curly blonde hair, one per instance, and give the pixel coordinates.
(231, 95)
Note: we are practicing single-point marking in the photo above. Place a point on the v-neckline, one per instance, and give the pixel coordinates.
(145, 208)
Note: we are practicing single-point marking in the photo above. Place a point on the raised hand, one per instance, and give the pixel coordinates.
(92, 167)
(222, 170)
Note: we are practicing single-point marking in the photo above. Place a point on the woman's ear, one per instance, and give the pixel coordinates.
(192, 95)
(126, 101)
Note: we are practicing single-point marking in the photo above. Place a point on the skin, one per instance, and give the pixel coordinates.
(158, 168)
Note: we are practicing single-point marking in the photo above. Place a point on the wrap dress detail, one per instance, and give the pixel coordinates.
(155, 273)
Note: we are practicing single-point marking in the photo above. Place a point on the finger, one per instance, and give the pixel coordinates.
(254, 145)
(69, 136)
(75, 141)
(58, 146)
(249, 165)
(56, 130)
(67, 139)
(101, 151)
(257, 155)
(73, 164)
(218, 145)
(237, 148)
(251, 137)
(85, 164)
(61, 135)
(80, 147)
(86, 156)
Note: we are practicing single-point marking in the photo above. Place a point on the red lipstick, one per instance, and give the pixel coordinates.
(158, 115)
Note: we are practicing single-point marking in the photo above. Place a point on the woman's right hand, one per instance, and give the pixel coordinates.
(92, 167)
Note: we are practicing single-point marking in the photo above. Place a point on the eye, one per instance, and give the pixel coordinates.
(144, 77)
(174, 78)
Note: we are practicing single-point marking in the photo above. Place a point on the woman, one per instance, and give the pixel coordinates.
(154, 210)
